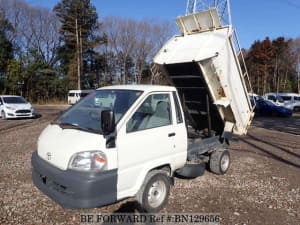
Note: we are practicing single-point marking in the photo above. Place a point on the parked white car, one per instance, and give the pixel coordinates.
(12, 106)
(287, 100)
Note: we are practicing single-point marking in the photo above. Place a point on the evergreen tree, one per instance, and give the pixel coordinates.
(79, 21)
(6, 49)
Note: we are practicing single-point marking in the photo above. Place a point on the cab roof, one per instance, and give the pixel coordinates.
(145, 88)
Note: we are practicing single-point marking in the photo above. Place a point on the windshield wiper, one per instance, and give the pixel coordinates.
(65, 125)
(72, 126)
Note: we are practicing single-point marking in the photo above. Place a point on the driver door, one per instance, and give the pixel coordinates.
(1, 105)
(146, 141)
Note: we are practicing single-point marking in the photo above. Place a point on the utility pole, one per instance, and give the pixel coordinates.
(78, 53)
(298, 82)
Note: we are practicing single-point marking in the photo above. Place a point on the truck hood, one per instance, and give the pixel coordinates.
(57, 145)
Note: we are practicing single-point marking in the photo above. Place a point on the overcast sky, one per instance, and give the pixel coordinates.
(253, 19)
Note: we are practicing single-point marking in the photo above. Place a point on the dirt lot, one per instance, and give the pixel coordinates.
(261, 187)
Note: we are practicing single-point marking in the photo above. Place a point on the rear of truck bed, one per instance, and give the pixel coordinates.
(203, 65)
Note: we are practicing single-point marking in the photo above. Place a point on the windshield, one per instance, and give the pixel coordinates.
(269, 103)
(86, 114)
(14, 100)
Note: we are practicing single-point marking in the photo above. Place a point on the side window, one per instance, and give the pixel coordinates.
(286, 98)
(0, 101)
(272, 98)
(155, 111)
(177, 109)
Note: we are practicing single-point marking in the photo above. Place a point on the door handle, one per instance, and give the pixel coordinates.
(171, 134)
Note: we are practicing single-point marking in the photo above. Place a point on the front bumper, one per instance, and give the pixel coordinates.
(74, 189)
(13, 115)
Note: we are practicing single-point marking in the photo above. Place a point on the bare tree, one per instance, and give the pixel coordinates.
(134, 41)
(295, 46)
(35, 41)
(34, 28)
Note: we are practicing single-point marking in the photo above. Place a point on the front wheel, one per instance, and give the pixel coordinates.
(3, 115)
(219, 162)
(154, 193)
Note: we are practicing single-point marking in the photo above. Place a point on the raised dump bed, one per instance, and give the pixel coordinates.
(203, 65)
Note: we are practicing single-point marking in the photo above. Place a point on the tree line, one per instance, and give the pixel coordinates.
(274, 65)
(44, 53)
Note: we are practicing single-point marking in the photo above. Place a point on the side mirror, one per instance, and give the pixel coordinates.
(107, 122)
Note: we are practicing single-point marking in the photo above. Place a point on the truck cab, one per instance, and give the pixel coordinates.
(149, 133)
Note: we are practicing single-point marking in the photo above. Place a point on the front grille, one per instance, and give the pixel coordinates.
(23, 111)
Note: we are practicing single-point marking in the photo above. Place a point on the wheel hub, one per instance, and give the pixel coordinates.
(157, 193)
(225, 162)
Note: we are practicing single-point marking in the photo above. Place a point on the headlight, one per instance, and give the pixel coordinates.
(88, 161)
(9, 107)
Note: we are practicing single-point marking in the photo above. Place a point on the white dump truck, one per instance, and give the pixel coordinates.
(132, 140)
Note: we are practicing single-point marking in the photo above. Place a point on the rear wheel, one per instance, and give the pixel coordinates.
(219, 162)
(154, 193)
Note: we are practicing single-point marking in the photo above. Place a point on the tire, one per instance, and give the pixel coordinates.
(3, 116)
(154, 193)
(297, 109)
(219, 162)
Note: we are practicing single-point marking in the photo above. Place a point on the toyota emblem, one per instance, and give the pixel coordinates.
(49, 156)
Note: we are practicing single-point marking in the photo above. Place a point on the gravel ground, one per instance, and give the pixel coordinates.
(261, 187)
